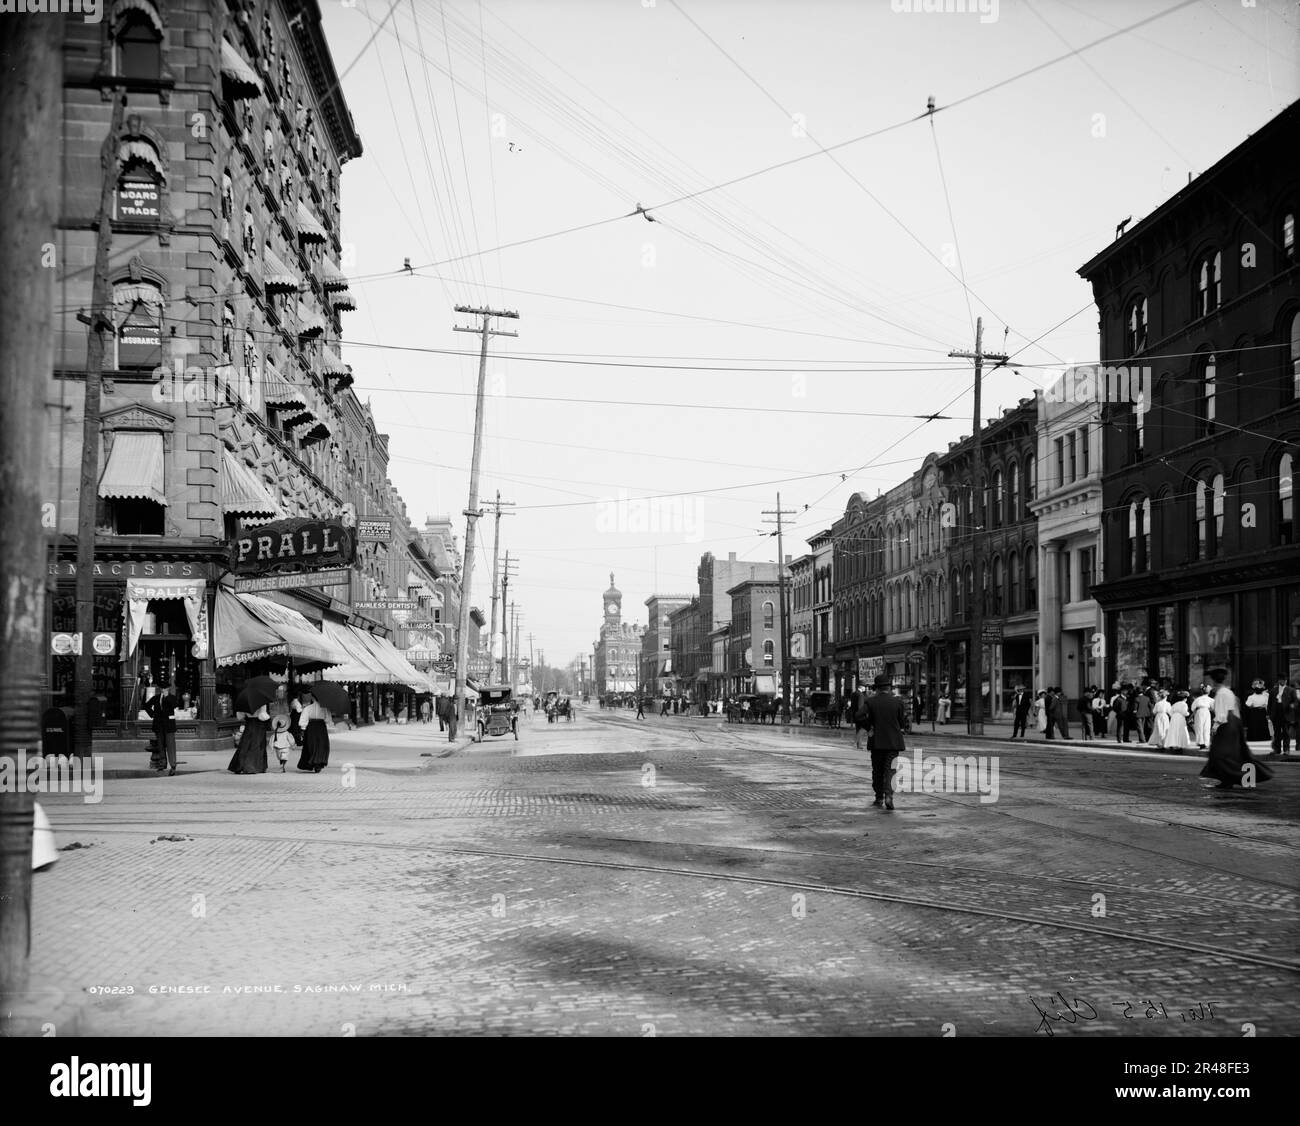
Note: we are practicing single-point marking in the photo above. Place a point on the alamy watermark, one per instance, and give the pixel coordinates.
(92, 11)
(224, 383)
(1098, 383)
(681, 515)
(53, 774)
(987, 9)
(947, 774)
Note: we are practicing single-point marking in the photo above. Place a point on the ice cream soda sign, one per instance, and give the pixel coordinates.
(293, 545)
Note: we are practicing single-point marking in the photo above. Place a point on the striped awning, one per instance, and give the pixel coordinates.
(318, 432)
(276, 274)
(305, 644)
(242, 494)
(140, 151)
(310, 322)
(309, 227)
(240, 79)
(134, 293)
(362, 667)
(135, 469)
(344, 300)
(281, 394)
(332, 277)
(331, 365)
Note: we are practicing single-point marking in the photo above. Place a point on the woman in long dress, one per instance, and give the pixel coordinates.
(316, 737)
(1257, 714)
(1040, 711)
(1177, 740)
(1161, 711)
(1229, 751)
(250, 754)
(1202, 708)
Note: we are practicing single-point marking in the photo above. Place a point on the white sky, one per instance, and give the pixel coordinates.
(617, 103)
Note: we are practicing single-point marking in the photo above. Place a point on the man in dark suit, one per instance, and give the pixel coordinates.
(1085, 711)
(885, 718)
(857, 708)
(1052, 705)
(1062, 712)
(162, 710)
(1283, 707)
(1020, 704)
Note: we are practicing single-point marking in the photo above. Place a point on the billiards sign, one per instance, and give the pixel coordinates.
(293, 545)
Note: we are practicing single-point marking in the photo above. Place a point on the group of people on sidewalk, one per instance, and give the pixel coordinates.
(272, 730)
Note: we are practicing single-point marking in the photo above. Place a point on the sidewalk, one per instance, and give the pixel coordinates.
(377, 746)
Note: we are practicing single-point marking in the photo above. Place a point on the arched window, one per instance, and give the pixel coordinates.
(768, 613)
(138, 313)
(227, 198)
(1209, 392)
(1202, 521)
(1014, 514)
(996, 592)
(1288, 236)
(999, 498)
(1216, 489)
(1146, 534)
(1286, 511)
(955, 586)
(138, 46)
(228, 333)
(907, 604)
(139, 186)
(1209, 285)
(1136, 327)
(1013, 570)
(1031, 579)
(769, 653)
(943, 600)
(968, 585)
(1031, 478)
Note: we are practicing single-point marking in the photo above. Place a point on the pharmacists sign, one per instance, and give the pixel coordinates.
(293, 545)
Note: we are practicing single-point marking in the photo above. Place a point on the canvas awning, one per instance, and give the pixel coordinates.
(142, 152)
(332, 277)
(282, 394)
(242, 494)
(290, 634)
(309, 227)
(276, 274)
(135, 468)
(361, 666)
(388, 654)
(331, 364)
(310, 322)
(317, 432)
(240, 78)
(343, 300)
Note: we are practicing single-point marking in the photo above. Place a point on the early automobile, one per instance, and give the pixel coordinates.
(496, 714)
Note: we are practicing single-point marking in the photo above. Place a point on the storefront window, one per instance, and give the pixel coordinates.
(1291, 633)
(1132, 644)
(1209, 637)
(105, 670)
(1167, 642)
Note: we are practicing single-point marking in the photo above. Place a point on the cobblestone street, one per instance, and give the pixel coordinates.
(673, 876)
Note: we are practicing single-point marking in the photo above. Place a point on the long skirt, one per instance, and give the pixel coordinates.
(1177, 739)
(1160, 732)
(1257, 725)
(315, 746)
(250, 755)
(1201, 725)
(1229, 755)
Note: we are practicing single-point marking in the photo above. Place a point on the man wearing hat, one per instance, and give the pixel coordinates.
(884, 716)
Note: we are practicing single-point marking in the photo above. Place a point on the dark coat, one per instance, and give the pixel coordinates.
(885, 716)
(1023, 701)
(1052, 704)
(1285, 709)
(162, 710)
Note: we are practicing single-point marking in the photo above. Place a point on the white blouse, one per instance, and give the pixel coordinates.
(315, 711)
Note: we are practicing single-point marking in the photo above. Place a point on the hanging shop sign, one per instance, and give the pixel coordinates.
(445, 663)
(415, 625)
(869, 668)
(134, 569)
(340, 577)
(293, 544)
(374, 529)
(386, 604)
(69, 644)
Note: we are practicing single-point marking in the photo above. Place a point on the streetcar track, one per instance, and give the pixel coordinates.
(1091, 929)
(952, 800)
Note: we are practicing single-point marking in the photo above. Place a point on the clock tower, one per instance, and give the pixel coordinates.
(613, 603)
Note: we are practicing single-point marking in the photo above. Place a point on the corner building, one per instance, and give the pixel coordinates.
(1202, 297)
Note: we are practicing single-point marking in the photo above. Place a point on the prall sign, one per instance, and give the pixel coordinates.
(293, 545)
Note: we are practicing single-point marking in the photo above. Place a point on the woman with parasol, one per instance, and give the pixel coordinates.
(252, 703)
(323, 699)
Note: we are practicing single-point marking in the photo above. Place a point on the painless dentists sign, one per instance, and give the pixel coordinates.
(293, 545)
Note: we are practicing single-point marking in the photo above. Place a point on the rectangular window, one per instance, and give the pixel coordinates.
(1083, 448)
(1087, 570)
(1060, 462)
(1132, 642)
(1067, 593)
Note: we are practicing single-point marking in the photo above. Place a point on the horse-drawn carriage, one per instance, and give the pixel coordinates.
(821, 707)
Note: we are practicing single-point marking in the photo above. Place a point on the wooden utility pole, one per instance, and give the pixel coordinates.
(101, 322)
(472, 512)
(31, 76)
(492, 626)
(779, 513)
(975, 650)
(505, 635)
